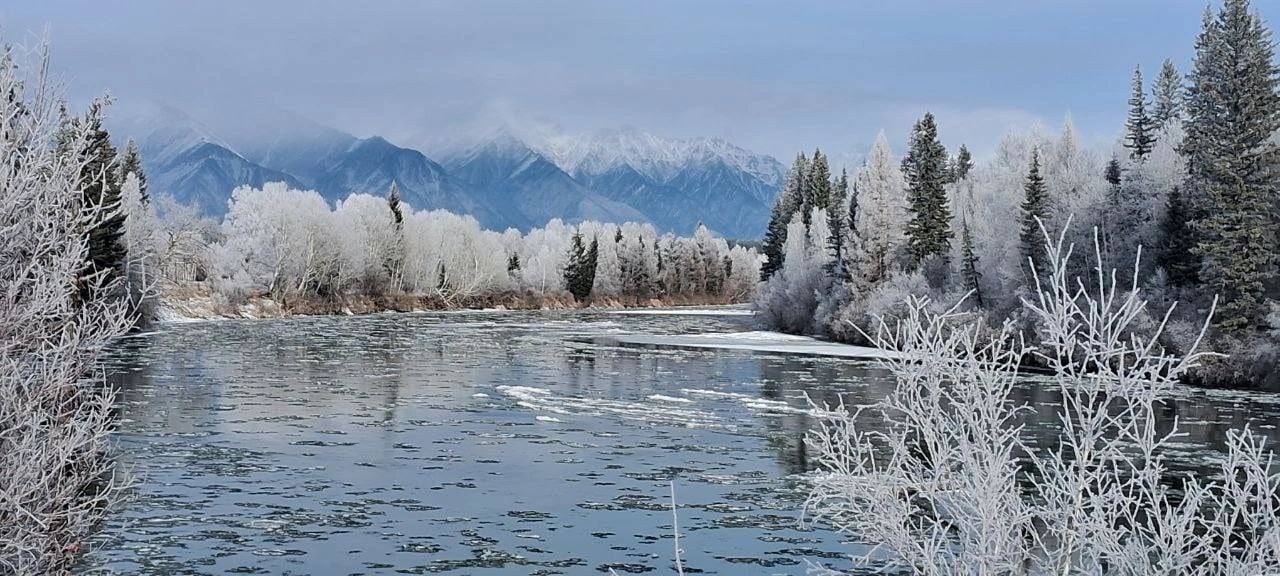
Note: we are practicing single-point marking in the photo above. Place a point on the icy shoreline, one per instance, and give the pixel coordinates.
(756, 341)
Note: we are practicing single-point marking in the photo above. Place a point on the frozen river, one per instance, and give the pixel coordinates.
(490, 443)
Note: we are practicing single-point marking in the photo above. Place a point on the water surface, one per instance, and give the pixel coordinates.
(488, 443)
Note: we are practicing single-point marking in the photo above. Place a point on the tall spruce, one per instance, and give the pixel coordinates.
(1166, 95)
(1035, 205)
(837, 223)
(1113, 175)
(100, 183)
(131, 163)
(969, 272)
(962, 165)
(1233, 110)
(1139, 129)
(818, 185)
(926, 170)
(1177, 242)
(789, 200)
(580, 271)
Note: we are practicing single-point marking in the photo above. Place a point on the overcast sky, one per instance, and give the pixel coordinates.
(773, 76)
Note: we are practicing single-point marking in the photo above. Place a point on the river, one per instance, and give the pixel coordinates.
(491, 443)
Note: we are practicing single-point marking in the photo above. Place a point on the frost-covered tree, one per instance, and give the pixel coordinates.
(789, 201)
(880, 222)
(131, 163)
(1139, 128)
(1166, 95)
(789, 299)
(926, 172)
(141, 265)
(962, 165)
(1233, 112)
(394, 261)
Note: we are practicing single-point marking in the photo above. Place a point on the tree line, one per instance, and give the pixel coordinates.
(1187, 202)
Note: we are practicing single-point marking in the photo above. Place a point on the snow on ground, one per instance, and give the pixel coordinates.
(691, 311)
(757, 341)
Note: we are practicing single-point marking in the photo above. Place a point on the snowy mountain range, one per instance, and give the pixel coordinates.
(503, 177)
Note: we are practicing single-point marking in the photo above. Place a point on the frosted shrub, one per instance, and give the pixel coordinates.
(950, 484)
(57, 477)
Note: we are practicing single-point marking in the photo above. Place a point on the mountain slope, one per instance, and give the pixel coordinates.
(528, 189)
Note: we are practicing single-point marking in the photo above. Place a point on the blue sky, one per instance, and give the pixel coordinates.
(775, 77)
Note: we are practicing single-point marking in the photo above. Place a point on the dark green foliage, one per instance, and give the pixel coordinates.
(1166, 95)
(817, 187)
(580, 271)
(131, 162)
(1177, 243)
(969, 265)
(926, 170)
(1139, 128)
(1233, 110)
(962, 165)
(101, 186)
(789, 200)
(1035, 206)
(838, 222)
(513, 264)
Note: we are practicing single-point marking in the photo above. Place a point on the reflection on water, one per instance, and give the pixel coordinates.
(513, 443)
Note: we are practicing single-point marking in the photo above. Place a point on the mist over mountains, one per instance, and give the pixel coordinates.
(503, 175)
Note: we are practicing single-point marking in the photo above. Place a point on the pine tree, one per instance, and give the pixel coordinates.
(1177, 242)
(962, 165)
(925, 168)
(101, 186)
(1035, 206)
(838, 224)
(1233, 110)
(789, 200)
(969, 264)
(1113, 176)
(1166, 95)
(1139, 131)
(580, 272)
(818, 184)
(131, 162)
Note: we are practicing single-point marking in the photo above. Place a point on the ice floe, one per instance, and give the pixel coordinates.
(756, 341)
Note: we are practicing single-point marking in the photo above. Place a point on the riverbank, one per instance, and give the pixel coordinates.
(195, 302)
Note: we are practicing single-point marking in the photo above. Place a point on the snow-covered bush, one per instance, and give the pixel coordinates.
(950, 483)
(57, 476)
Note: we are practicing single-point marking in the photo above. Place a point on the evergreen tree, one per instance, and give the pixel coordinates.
(393, 202)
(101, 186)
(838, 223)
(513, 264)
(580, 271)
(1166, 95)
(1233, 110)
(131, 163)
(1114, 176)
(789, 200)
(1035, 205)
(1177, 242)
(969, 273)
(1139, 130)
(962, 165)
(818, 184)
(925, 168)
